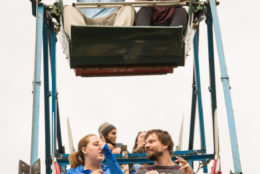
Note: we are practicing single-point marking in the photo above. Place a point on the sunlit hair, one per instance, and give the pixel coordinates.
(77, 158)
(164, 137)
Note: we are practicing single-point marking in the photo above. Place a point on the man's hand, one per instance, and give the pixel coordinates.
(185, 168)
(99, 171)
(116, 150)
(140, 145)
(152, 172)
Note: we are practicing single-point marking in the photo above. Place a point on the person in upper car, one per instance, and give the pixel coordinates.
(122, 16)
(162, 16)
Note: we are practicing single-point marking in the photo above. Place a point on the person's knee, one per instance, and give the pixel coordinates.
(145, 10)
(182, 11)
(143, 17)
(128, 10)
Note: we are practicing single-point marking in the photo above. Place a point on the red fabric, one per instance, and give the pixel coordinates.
(162, 14)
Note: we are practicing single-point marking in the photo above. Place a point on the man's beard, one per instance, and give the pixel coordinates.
(154, 156)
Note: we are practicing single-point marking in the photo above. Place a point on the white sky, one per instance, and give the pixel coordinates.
(131, 103)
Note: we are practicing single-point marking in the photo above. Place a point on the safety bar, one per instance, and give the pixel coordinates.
(133, 4)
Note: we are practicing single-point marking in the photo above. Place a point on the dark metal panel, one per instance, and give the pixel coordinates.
(106, 46)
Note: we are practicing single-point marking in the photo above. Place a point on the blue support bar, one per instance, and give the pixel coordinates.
(37, 84)
(120, 160)
(137, 155)
(54, 91)
(46, 98)
(226, 89)
(212, 87)
(199, 95)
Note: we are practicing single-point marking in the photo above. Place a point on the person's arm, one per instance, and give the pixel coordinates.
(111, 161)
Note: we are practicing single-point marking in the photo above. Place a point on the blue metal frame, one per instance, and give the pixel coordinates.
(202, 157)
(226, 89)
(190, 155)
(199, 94)
(54, 91)
(46, 98)
(50, 137)
(37, 84)
(212, 73)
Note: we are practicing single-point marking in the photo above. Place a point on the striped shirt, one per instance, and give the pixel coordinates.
(175, 169)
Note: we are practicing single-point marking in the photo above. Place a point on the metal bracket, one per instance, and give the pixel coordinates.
(54, 13)
(25, 168)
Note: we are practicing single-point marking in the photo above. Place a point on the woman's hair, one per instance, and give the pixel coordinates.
(77, 158)
(136, 139)
(105, 129)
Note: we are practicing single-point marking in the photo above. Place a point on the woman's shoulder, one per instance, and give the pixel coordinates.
(77, 170)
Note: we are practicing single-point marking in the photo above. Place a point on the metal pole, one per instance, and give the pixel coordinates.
(226, 89)
(37, 84)
(193, 112)
(200, 106)
(46, 98)
(133, 4)
(60, 147)
(54, 91)
(212, 87)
